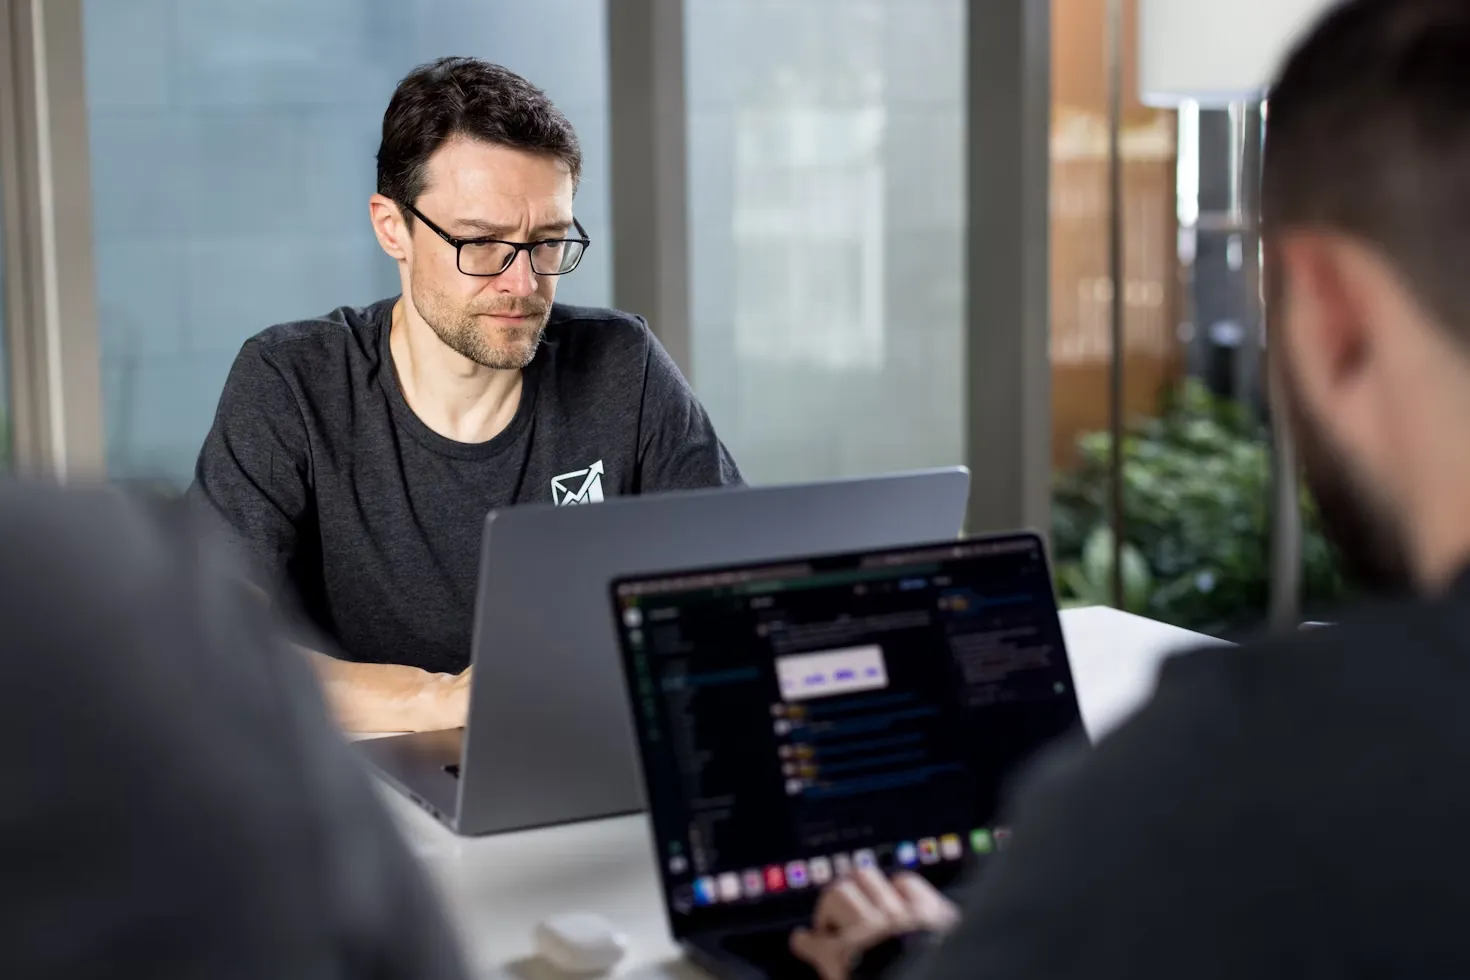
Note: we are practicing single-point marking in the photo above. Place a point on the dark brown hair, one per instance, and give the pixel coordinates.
(1368, 134)
(470, 98)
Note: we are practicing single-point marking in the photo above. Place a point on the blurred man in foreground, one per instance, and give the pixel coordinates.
(177, 802)
(1295, 809)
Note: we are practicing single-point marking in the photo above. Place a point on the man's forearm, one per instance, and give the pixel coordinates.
(391, 697)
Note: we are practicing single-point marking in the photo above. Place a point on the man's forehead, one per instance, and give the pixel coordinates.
(481, 189)
(473, 168)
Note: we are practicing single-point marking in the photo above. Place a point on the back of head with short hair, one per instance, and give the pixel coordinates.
(1368, 134)
(466, 97)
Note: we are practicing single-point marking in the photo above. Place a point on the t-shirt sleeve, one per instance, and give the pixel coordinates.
(253, 474)
(677, 446)
(1153, 857)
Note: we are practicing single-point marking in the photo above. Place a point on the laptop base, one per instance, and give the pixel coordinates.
(424, 766)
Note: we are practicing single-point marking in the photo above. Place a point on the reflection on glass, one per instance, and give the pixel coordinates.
(826, 225)
(233, 154)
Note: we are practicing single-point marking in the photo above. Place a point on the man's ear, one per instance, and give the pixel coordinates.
(1322, 315)
(388, 225)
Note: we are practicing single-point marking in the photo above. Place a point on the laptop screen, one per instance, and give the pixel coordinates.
(802, 719)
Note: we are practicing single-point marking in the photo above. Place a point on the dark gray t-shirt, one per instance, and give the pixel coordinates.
(372, 521)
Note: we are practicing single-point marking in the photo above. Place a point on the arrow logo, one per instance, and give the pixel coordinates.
(588, 490)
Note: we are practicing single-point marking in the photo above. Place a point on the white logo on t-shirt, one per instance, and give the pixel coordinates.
(578, 487)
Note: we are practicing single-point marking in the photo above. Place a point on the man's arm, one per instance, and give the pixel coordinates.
(391, 697)
(385, 697)
(677, 445)
(254, 478)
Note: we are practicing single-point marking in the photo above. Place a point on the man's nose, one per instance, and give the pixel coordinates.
(519, 279)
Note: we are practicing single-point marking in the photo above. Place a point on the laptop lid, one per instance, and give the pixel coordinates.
(796, 719)
(549, 738)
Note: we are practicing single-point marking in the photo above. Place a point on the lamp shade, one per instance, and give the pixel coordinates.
(1217, 51)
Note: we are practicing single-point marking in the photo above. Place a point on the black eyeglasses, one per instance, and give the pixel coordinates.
(492, 256)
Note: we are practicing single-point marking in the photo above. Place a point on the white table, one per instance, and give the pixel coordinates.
(497, 888)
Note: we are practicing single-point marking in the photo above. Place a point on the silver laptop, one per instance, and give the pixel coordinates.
(548, 738)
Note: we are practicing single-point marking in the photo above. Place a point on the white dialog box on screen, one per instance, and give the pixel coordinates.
(821, 675)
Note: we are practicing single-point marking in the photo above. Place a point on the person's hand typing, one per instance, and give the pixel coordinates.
(864, 910)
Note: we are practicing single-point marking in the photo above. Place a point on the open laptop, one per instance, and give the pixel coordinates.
(802, 718)
(549, 739)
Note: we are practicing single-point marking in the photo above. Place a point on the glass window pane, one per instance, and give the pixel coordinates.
(826, 212)
(233, 155)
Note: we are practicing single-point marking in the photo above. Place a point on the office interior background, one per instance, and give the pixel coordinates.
(876, 234)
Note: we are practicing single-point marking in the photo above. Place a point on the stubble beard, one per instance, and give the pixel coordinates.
(1368, 535)
(468, 332)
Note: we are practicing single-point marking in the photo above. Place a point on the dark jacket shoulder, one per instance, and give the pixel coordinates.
(1273, 805)
(1406, 662)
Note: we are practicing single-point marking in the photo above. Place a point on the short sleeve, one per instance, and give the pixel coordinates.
(677, 448)
(254, 470)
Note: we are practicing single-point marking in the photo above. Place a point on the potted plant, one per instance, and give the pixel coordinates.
(1197, 498)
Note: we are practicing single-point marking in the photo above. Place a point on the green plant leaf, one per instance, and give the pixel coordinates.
(1197, 497)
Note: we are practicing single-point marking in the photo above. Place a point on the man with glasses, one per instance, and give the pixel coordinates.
(356, 455)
